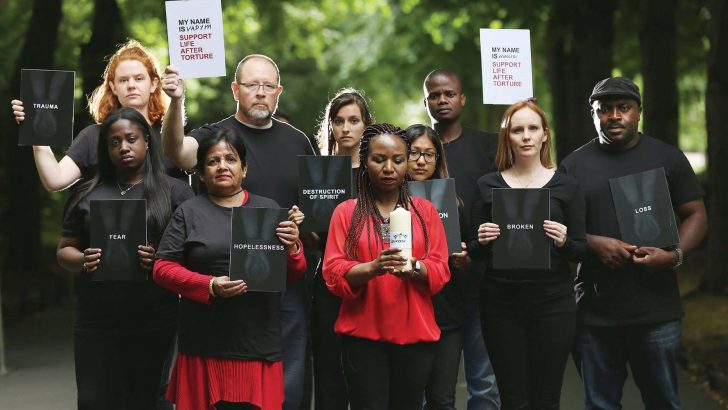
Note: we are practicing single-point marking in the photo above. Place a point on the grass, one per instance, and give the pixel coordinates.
(705, 331)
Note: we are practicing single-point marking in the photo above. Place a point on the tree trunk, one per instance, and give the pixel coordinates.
(25, 196)
(658, 48)
(716, 107)
(107, 31)
(579, 56)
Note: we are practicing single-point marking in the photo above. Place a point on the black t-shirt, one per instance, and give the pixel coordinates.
(120, 306)
(629, 295)
(271, 157)
(469, 157)
(566, 207)
(84, 149)
(449, 303)
(245, 327)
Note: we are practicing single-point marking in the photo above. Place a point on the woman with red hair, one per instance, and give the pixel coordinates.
(131, 79)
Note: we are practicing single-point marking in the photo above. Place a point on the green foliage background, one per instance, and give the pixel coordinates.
(383, 47)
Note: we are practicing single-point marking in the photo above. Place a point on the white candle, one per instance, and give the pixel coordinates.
(400, 233)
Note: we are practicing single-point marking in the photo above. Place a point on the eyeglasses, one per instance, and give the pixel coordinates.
(430, 157)
(254, 87)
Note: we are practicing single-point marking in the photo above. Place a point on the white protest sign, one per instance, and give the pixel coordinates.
(506, 58)
(196, 43)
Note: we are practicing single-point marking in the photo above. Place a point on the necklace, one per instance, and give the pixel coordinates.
(124, 191)
(529, 182)
(384, 225)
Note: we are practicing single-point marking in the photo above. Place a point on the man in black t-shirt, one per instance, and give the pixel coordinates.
(628, 298)
(272, 149)
(470, 154)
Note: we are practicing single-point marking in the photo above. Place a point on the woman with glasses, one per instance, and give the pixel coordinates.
(426, 161)
(529, 316)
(386, 319)
(344, 120)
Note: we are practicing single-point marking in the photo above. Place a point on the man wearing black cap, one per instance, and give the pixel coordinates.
(628, 298)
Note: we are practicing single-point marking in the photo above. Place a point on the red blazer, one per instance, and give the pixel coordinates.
(387, 308)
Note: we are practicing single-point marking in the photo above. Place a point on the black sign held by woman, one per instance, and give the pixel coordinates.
(257, 256)
(323, 183)
(47, 96)
(441, 192)
(644, 209)
(118, 227)
(522, 243)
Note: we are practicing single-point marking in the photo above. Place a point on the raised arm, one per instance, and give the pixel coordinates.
(54, 175)
(181, 149)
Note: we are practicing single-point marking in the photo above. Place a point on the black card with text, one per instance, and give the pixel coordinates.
(323, 183)
(118, 227)
(47, 97)
(522, 243)
(644, 209)
(441, 192)
(257, 256)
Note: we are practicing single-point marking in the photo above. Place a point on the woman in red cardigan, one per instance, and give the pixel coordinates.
(229, 339)
(386, 319)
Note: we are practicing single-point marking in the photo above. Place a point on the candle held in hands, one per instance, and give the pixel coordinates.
(400, 233)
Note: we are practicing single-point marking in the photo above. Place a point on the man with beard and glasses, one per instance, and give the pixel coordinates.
(627, 296)
(272, 150)
(470, 154)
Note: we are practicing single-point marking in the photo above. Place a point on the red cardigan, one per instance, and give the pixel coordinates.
(387, 308)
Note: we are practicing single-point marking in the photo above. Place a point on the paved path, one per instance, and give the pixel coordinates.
(40, 357)
(572, 397)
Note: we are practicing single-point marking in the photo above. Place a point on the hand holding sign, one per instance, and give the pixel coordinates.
(146, 256)
(91, 259)
(172, 84)
(18, 110)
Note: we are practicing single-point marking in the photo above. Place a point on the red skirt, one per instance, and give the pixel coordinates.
(197, 383)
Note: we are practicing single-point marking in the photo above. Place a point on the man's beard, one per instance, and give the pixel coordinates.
(260, 114)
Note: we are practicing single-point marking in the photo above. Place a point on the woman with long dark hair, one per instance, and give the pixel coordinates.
(342, 127)
(229, 338)
(426, 160)
(529, 316)
(122, 330)
(386, 318)
(131, 79)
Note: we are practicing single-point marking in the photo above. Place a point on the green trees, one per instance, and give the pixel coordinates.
(385, 48)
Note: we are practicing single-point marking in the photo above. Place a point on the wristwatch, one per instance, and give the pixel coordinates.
(417, 269)
(679, 253)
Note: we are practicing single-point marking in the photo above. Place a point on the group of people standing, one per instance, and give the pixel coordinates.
(386, 332)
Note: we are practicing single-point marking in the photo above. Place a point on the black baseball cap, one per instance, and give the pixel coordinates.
(616, 87)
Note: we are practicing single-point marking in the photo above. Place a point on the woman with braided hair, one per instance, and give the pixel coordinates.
(386, 319)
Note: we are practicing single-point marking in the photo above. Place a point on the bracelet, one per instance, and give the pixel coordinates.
(212, 288)
(679, 257)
